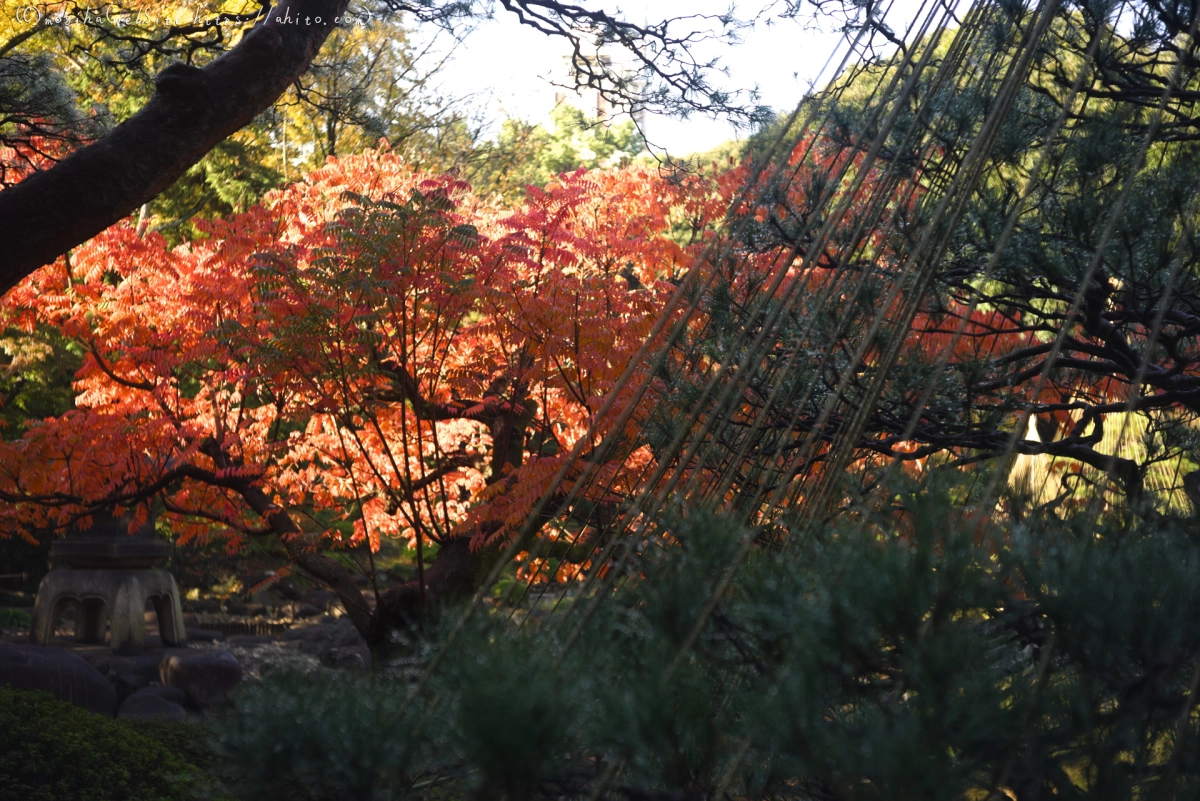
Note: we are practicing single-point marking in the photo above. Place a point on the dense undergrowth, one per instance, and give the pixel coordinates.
(922, 654)
(51, 750)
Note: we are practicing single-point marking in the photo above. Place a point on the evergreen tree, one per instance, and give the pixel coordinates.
(921, 653)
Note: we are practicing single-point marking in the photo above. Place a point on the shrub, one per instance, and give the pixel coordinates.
(51, 750)
(15, 618)
(927, 655)
(321, 736)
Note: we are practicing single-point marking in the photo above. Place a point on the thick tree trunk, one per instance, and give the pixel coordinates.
(191, 111)
(454, 576)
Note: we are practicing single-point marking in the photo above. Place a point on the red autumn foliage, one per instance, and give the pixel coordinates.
(382, 352)
(375, 352)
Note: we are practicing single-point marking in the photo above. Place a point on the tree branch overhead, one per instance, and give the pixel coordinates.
(191, 111)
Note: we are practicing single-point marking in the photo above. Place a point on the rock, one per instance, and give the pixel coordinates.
(353, 657)
(249, 640)
(172, 694)
(145, 662)
(322, 627)
(319, 638)
(206, 677)
(305, 611)
(144, 704)
(63, 674)
(127, 683)
(304, 635)
(204, 635)
(128, 674)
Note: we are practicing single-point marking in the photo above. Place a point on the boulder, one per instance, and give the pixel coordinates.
(128, 674)
(250, 640)
(59, 672)
(352, 657)
(321, 637)
(204, 635)
(206, 677)
(148, 704)
(172, 694)
(127, 683)
(302, 611)
(143, 665)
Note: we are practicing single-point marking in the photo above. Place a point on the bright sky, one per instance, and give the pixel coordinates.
(507, 65)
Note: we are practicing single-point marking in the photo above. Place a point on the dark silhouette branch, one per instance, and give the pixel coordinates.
(192, 110)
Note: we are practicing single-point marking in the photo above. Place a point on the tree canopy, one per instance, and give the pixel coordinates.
(374, 351)
(205, 90)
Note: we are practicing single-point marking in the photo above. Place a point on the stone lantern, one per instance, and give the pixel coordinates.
(110, 575)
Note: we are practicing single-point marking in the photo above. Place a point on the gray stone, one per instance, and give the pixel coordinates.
(204, 635)
(249, 640)
(128, 674)
(107, 545)
(352, 657)
(127, 683)
(172, 694)
(59, 672)
(319, 638)
(115, 599)
(305, 611)
(206, 677)
(144, 704)
(144, 664)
